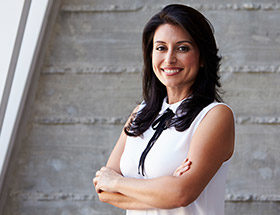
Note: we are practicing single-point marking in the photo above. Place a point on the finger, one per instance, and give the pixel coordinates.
(185, 160)
(184, 170)
(98, 173)
(103, 168)
(98, 190)
(180, 167)
(188, 163)
(94, 180)
(97, 187)
(177, 172)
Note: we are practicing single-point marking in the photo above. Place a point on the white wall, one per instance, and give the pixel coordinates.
(21, 24)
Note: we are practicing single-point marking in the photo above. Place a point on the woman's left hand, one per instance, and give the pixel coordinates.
(106, 180)
(184, 167)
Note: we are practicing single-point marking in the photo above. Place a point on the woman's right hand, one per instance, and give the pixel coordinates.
(184, 167)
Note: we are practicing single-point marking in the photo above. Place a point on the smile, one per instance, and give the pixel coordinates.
(172, 71)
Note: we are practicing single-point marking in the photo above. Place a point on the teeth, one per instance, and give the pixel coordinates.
(171, 71)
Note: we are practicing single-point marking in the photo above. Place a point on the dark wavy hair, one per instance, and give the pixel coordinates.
(205, 87)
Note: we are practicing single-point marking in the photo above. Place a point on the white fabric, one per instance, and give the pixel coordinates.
(168, 152)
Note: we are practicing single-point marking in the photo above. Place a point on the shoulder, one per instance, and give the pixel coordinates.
(138, 108)
(215, 114)
(219, 116)
(219, 112)
(217, 129)
(135, 112)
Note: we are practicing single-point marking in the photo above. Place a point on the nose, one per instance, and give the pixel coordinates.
(170, 57)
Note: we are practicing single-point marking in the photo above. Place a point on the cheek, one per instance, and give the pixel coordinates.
(155, 62)
(192, 60)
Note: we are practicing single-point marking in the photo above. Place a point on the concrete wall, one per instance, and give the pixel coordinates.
(91, 81)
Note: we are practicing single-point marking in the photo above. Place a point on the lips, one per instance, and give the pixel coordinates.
(171, 70)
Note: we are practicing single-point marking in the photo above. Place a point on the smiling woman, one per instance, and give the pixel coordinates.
(175, 60)
(173, 154)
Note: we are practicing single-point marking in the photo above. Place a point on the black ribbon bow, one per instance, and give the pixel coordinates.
(160, 124)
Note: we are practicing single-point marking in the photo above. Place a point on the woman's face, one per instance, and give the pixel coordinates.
(175, 57)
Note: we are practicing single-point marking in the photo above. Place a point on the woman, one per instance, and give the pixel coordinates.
(181, 119)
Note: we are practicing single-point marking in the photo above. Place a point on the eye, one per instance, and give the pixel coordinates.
(160, 48)
(183, 48)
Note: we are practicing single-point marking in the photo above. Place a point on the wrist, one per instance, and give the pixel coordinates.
(117, 183)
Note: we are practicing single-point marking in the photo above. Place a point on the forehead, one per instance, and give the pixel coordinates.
(171, 32)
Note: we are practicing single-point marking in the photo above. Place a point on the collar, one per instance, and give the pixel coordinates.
(173, 106)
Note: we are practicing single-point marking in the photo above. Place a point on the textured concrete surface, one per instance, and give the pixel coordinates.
(91, 81)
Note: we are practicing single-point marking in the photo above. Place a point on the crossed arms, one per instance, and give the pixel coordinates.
(211, 145)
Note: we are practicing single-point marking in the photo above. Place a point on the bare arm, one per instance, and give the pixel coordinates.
(113, 163)
(122, 201)
(212, 144)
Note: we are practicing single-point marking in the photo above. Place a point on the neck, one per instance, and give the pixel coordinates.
(174, 95)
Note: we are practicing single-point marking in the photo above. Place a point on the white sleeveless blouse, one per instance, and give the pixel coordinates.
(168, 152)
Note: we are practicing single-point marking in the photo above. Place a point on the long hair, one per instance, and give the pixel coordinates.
(205, 87)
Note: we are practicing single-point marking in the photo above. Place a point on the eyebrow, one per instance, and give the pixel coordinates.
(179, 42)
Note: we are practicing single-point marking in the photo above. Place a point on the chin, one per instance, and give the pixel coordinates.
(172, 84)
